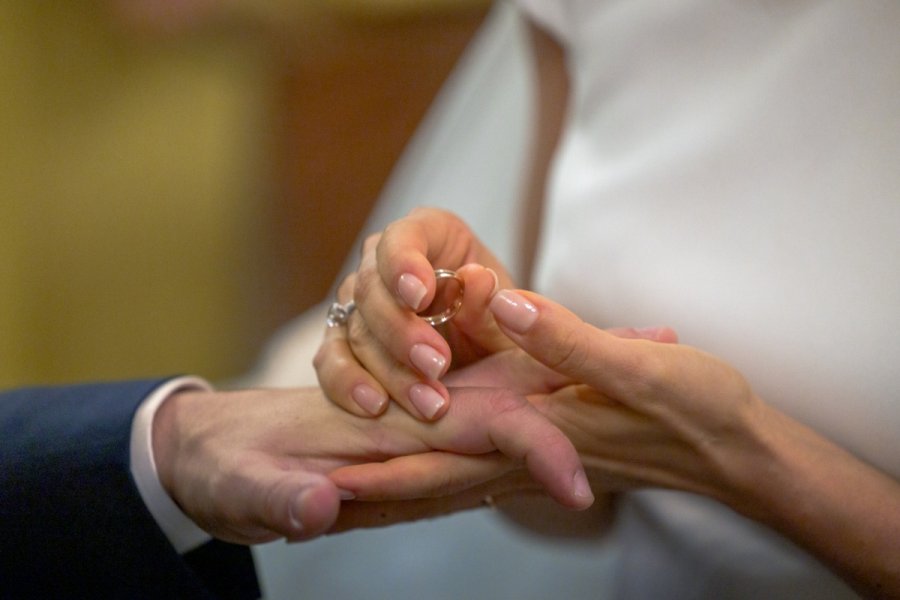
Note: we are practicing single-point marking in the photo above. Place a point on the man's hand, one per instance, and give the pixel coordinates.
(251, 466)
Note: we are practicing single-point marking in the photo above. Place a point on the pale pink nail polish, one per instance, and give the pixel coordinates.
(513, 311)
(496, 280)
(427, 360)
(426, 400)
(368, 398)
(412, 290)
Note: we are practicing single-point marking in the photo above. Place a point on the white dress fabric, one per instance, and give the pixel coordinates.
(730, 169)
(467, 156)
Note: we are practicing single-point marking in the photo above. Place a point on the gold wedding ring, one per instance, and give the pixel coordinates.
(453, 306)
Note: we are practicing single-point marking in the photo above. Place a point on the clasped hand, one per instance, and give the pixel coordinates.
(640, 409)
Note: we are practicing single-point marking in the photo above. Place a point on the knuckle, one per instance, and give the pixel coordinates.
(644, 375)
(324, 355)
(426, 216)
(364, 282)
(504, 402)
(371, 242)
(568, 353)
(650, 370)
(347, 285)
(322, 359)
(330, 362)
(427, 211)
(358, 332)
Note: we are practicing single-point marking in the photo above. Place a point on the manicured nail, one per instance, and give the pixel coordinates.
(426, 400)
(581, 486)
(496, 280)
(412, 290)
(346, 494)
(368, 398)
(513, 311)
(427, 360)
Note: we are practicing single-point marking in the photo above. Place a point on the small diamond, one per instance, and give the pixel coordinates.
(339, 313)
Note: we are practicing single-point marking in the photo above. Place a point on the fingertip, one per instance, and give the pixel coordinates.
(513, 311)
(582, 495)
(430, 404)
(371, 400)
(481, 282)
(428, 360)
(666, 335)
(312, 510)
(496, 287)
(412, 291)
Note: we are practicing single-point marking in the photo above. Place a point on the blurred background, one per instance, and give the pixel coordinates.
(179, 178)
(181, 181)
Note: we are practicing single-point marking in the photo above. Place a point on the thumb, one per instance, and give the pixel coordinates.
(609, 361)
(473, 319)
(296, 505)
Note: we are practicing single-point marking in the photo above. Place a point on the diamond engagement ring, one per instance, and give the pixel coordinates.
(445, 304)
(339, 313)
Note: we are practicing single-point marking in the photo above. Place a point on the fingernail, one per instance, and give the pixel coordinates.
(513, 311)
(496, 280)
(427, 360)
(294, 509)
(368, 398)
(581, 486)
(426, 400)
(296, 525)
(412, 290)
(346, 494)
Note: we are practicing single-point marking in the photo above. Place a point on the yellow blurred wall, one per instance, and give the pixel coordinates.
(131, 171)
(136, 182)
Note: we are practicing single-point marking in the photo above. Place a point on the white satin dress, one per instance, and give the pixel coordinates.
(732, 169)
(729, 169)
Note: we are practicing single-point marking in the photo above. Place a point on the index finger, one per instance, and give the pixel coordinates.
(479, 421)
(410, 249)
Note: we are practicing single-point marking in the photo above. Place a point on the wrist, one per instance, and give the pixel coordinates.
(147, 447)
(164, 443)
(173, 441)
(755, 464)
(826, 500)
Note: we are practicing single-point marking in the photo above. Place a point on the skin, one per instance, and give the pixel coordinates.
(251, 466)
(381, 333)
(641, 413)
(648, 414)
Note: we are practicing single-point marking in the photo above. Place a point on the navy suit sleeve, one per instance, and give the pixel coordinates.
(72, 523)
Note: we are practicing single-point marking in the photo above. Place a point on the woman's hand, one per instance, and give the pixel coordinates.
(641, 413)
(644, 414)
(386, 350)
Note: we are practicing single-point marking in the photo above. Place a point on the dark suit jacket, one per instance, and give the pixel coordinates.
(72, 523)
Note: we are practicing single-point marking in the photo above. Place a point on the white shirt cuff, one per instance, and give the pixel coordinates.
(181, 531)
